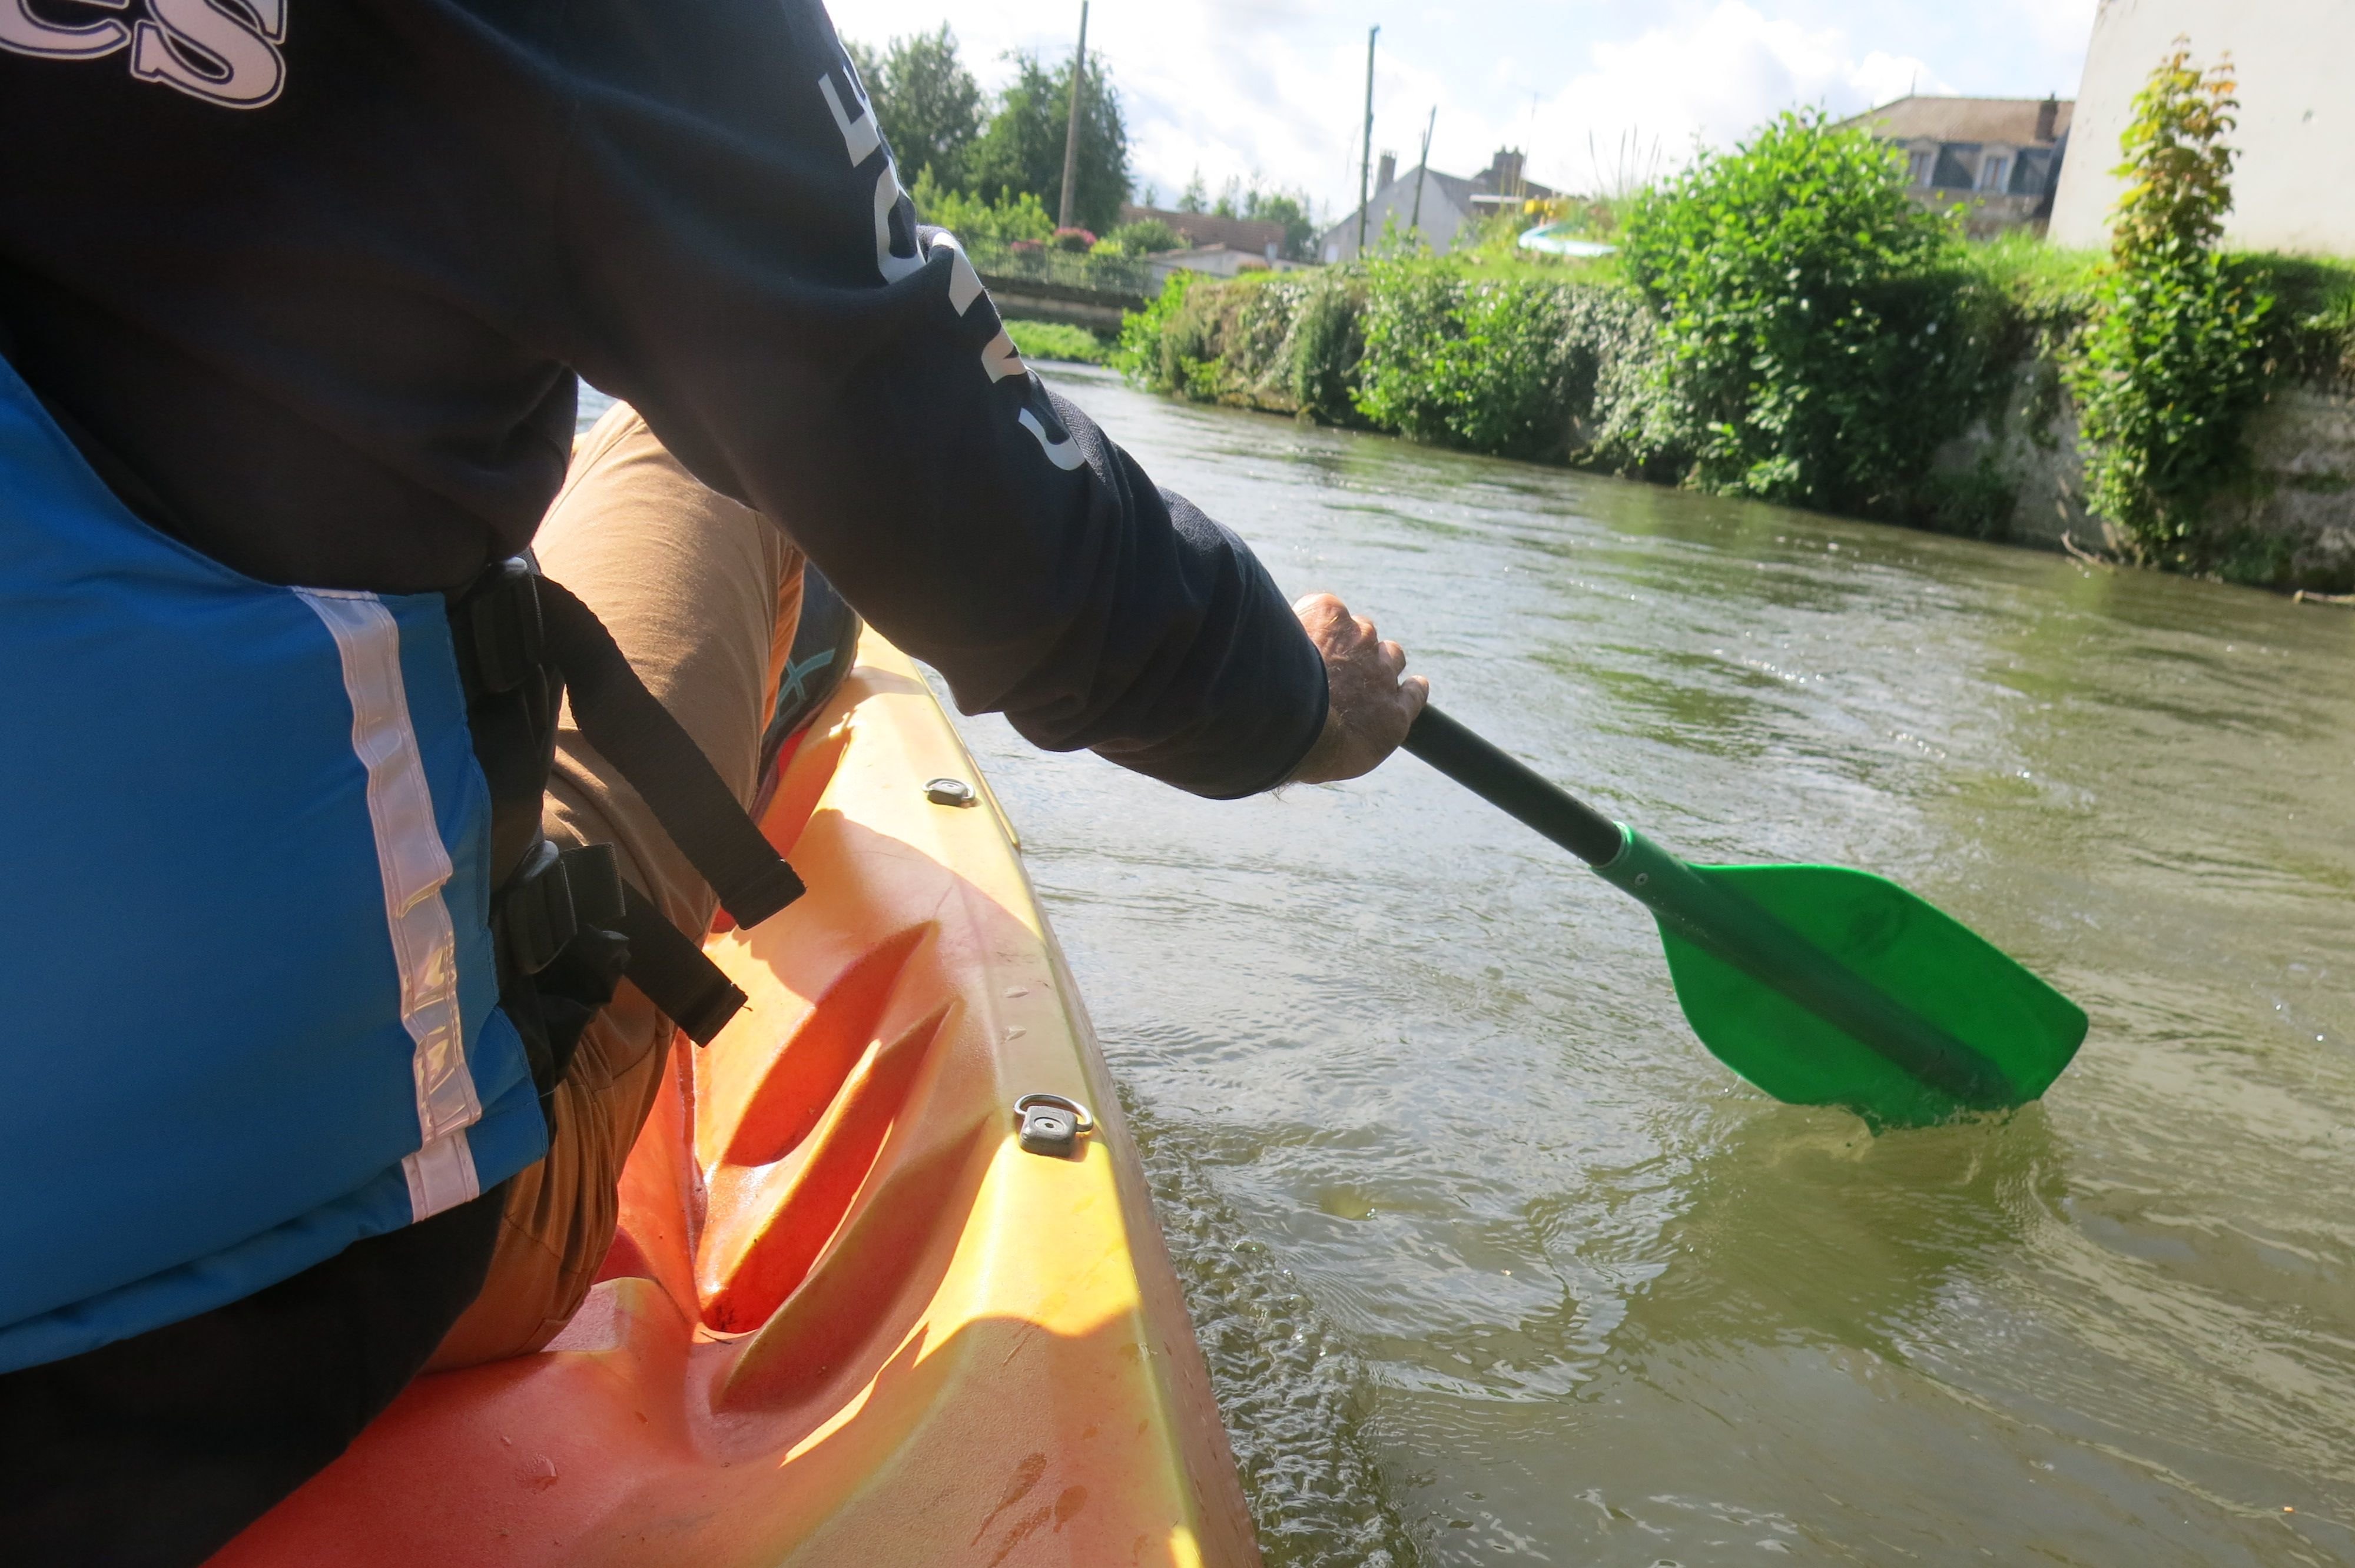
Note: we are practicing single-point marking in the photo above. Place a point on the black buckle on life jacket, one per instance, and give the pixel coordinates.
(567, 928)
(561, 896)
(558, 895)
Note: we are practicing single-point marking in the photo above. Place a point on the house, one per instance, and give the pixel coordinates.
(1209, 231)
(1441, 206)
(2294, 186)
(1220, 260)
(1998, 158)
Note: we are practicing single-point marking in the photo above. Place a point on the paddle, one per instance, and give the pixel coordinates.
(1820, 985)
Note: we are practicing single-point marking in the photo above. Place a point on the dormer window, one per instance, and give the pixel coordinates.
(1993, 168)
(1918, 165)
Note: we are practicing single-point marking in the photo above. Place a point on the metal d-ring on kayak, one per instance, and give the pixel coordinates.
(1051, 1124)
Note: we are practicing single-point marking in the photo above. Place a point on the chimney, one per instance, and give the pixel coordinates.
(2048, 116)
(1386, 171)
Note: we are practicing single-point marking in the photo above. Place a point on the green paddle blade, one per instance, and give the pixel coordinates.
(1824, 986)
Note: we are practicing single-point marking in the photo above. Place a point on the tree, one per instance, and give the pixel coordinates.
(976, 219)
(2178, 167)
(1255, 201)
(927, 103)
(2172, 363)
(1021, 151)
(1195, 198)
(1290, 209)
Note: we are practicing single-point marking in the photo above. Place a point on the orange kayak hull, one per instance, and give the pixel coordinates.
(847, 1318)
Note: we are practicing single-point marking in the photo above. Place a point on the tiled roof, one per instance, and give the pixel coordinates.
(1201, 229)
(2009, 119)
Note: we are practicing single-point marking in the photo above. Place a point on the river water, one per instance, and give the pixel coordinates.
(1493, 1261)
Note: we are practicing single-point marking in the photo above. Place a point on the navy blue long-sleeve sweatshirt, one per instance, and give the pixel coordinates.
(311, 281)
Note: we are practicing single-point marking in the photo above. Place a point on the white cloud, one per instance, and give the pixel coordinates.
(2061, 26)
(1276, 87)
(1711, 79)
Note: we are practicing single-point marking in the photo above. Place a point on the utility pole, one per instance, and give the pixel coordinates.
(1421, 166)
(1521, 173)
(1366, 163)
(1072, 125)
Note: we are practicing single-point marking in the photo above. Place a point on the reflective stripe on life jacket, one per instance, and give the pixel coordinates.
(246, 967)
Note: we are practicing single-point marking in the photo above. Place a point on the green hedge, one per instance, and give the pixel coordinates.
(1783, 323)
(1434, 349)
(1823, 332)
(1761, 334)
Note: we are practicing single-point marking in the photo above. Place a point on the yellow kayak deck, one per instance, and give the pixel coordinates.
(848, 1319)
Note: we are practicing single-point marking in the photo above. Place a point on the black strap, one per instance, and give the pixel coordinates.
(569, 927)
(673, 972)
(512, 692)
(636, 733)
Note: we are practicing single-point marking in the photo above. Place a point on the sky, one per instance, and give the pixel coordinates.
(1599, 91)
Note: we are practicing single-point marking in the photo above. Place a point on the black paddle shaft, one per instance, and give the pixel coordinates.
(1513, 787)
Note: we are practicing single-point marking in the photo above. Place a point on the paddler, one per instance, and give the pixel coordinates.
(317, 1066)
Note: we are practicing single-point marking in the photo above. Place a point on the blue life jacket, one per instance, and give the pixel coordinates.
(247, 972)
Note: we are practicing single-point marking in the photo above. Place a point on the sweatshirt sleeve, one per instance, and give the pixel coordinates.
(738, 260)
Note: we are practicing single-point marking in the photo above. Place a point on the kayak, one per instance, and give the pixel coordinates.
(859, 1310)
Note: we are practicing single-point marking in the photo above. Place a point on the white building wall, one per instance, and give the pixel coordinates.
(1440, 219)
(2294, 187)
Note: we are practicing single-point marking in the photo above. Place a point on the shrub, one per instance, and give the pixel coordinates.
(1478, 364)
(1164, 346)
(1518, 365)
(1534, 366)
(971, 218)
(2314, 317)
(2176, 356)
(1285, 341)
(1146, 237)
(2165, 378)
(1056, 340)
(1822, 333)
(1327, 347)
(1624, 416)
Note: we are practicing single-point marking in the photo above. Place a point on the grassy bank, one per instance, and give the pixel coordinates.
(1057, 340)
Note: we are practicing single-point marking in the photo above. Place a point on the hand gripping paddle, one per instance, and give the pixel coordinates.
(1820, 985)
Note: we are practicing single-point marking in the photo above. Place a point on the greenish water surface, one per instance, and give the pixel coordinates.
(1493, 1262)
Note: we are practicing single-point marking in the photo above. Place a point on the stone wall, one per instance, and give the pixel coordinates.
(2298, 509)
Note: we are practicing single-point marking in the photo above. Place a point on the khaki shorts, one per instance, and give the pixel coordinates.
(703, 594)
